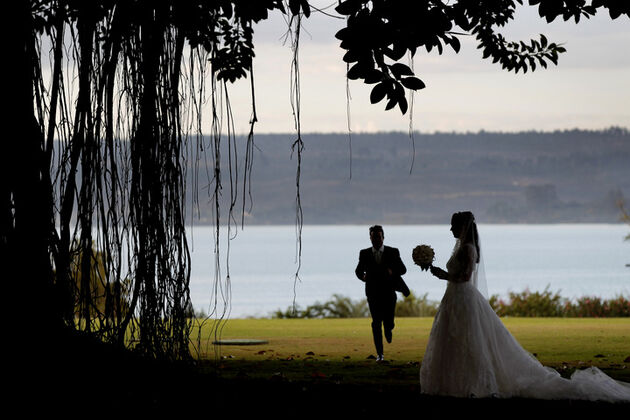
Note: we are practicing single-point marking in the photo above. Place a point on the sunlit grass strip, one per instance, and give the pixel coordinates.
(602, 342)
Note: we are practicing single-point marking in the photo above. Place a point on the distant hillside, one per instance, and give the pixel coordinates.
(528, 177)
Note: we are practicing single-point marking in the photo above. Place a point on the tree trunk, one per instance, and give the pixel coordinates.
(30, 225)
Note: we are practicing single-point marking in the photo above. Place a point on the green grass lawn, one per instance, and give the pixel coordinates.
(339, 349)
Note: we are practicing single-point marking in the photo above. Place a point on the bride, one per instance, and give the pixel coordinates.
(470, 353)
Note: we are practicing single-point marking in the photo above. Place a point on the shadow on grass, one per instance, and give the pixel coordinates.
(368, 373)
(364, 388)
(82, 378)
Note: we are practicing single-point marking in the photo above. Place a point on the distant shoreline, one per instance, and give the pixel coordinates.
(437, 132)
(446, 223)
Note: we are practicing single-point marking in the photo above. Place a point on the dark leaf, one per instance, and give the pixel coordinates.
(342, 34)
(396, 52)
(614, 13)
(390, 104)
(402, 103)
(577, 17)
(350, 57)
(461, 20)
(306, 7)
(532, 63)
(378, 92)
(399, 91)
(294, 6)
(399, 69)
(280, 6)
(412, 83)
(348, 7)
(373, 76)
(356, 71)
(455, 44)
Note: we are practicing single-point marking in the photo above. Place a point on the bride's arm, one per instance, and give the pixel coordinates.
(468, 263)
(439, 273)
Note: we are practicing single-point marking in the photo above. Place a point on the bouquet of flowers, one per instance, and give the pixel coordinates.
(423, 255)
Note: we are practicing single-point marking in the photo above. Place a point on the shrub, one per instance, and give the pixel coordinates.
(547, 304)
(344, 307)
(338, 307)
(619, 307)
(528, 304)
(524, 304)
(414, 306)
(589, 306)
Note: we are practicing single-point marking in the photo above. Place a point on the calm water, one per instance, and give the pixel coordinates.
(573, 259)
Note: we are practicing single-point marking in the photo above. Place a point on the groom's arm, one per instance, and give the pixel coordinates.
(360, 270)
(399, 267)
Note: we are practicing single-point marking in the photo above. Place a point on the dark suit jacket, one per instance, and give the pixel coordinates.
(377, 278)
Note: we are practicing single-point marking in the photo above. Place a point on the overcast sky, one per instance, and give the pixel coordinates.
(589, 89)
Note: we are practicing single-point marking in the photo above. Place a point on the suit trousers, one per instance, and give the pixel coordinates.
(382, 308)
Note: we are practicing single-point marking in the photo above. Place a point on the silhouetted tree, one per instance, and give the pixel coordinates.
(103, 159)
(380, 33)
(110, 127)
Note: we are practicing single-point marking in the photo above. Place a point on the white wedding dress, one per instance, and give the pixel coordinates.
(470, 353)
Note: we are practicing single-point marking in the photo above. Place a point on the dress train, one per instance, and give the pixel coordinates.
(470, 353)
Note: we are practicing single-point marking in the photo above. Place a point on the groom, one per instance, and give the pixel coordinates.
(381, 268)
